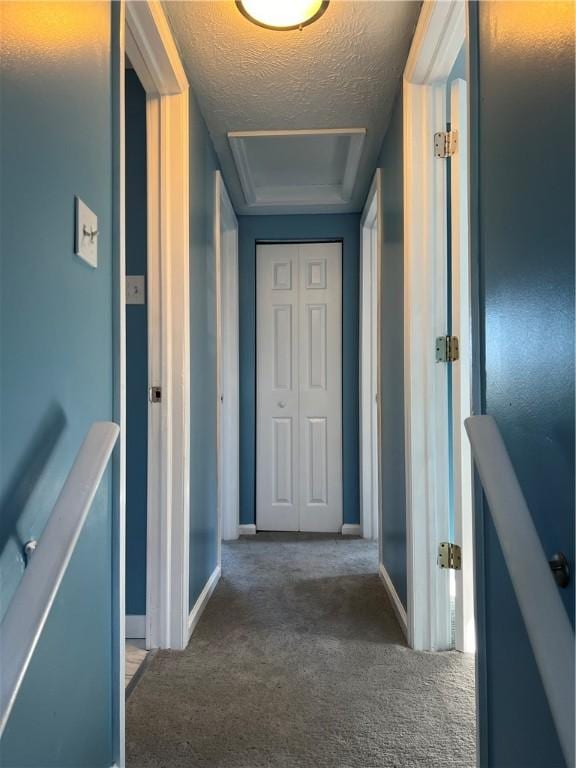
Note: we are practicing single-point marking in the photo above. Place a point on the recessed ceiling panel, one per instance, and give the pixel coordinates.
(299, 167)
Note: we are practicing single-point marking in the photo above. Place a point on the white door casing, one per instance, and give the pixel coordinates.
(371, 237)
(299, 387)
(228, 383)
(439, 37)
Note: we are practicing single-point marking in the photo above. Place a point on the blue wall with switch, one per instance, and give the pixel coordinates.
(344, 227)
(56, 351)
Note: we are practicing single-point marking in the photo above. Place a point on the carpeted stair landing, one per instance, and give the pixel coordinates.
(299, 662)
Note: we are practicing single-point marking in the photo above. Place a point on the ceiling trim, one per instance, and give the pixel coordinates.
(274, 195)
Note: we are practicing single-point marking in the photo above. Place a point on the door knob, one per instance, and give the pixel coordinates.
(281, 404)
(560, 569)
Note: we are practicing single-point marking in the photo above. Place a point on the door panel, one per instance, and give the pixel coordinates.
(321, 386)
(277, 401)
(282, 461)
(299, 375)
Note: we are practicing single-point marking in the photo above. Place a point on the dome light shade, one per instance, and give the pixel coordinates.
(282, 14)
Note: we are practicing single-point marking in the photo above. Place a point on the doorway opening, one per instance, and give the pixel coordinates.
(299, 387)
(145, 40)
(137, 344)
(437, 332)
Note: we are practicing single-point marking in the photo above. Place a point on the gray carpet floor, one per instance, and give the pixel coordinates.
(298, 662)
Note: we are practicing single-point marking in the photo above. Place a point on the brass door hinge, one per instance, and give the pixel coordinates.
(445, 143)
(447, 349)
(449, 556)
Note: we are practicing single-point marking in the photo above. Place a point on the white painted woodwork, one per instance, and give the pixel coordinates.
(439, 37)
(371, 238)
(547, 622)
(154, 56)
(462, 371)
(228, 381)
(299, 387)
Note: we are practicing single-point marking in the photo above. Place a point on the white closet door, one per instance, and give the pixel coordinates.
(299, 386)
(320, 353)
(277, 497)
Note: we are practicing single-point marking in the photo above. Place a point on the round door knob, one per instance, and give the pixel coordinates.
(560, 569)
(281, 404)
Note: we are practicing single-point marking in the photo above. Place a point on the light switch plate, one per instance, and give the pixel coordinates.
(135, 289)
(86, 239)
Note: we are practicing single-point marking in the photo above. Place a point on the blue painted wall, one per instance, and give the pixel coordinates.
(392, 355)
(203, 401)
(523, 222)
(56, 361)
(136, 350)
(307, 227)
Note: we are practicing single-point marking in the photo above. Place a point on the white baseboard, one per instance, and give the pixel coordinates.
(351, 530)
(203, 598)
(248, 529)
(135, 627)
(399, 609)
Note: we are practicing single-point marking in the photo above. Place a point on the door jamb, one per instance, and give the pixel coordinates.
(227, 356)
(154, 56)
(370, 269)
(439, 35)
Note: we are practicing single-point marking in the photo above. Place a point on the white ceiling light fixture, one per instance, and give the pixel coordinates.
(282, 15)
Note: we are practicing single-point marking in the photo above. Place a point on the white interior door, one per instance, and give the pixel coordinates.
(461, 372)
(299, 387)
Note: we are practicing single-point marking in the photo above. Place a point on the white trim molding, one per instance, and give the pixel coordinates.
(228, 362)
(200, 604)
(136, 627)
(399, 609)
(155, 58)
(439, 37)
(371, 228)
(349, 529)
(247, 529)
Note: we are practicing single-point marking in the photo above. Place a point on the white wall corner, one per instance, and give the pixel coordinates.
(351, 530)
(399, 609)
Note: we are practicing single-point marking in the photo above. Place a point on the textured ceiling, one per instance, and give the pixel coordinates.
(343, 71)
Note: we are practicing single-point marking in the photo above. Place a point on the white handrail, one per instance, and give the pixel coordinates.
(28, 611)
(549, 628)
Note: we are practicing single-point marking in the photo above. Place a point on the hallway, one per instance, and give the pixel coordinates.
(298, 661)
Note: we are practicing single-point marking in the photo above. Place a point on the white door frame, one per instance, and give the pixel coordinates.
(228, 363)
(440, 34)
(370, 270)
(154, 56)
(462, 372)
